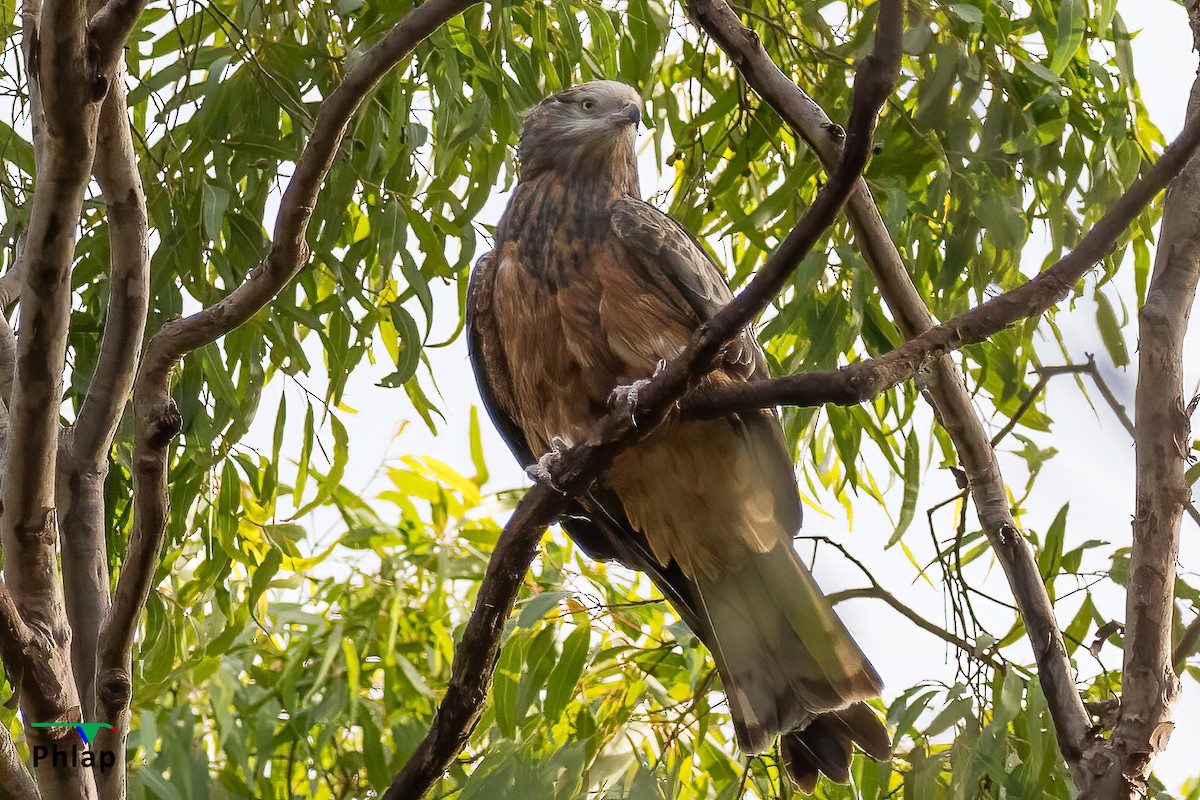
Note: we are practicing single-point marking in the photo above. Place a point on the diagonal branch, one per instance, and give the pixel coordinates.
(157, 421)
(946, 387)
(864, 379)
(475, 658)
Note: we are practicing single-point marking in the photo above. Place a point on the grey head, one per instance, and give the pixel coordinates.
(591, 127)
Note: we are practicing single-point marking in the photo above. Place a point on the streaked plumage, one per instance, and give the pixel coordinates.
(589, 288)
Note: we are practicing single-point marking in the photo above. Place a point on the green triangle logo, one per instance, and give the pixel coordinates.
(88, 730)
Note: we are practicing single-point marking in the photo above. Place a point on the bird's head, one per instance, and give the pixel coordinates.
(590, 127)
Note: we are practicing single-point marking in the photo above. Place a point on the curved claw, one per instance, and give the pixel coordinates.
(628, 395)
(543, 471)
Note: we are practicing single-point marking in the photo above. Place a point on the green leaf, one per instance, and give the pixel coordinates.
(216, 201)
(539, 606)
(560, 687)
(333, 479)
(305, 454)
(504, 686)
(1110, 330)
(1072, 23)
(912, 485)
(1051, 552)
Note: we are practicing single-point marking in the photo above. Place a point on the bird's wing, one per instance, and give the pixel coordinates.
(684, 273)
(488, 361)
(595, 521)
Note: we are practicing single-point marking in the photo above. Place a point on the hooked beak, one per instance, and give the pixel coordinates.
(630, 114)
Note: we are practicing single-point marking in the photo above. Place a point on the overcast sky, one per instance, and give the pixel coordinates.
(1093, 469)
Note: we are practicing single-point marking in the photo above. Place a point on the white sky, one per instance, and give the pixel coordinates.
(1094, 468)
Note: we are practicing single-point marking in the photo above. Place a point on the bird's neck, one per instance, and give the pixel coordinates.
(609, 174)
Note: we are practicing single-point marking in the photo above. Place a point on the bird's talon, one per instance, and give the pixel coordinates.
(628, 395)
(543, 470)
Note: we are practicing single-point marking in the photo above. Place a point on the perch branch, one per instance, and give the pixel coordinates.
(475, 658)
(952, 403)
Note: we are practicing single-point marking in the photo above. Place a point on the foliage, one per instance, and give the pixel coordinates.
(256, 678)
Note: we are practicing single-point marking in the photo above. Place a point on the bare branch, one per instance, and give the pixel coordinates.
(109, 28)
(157, 421)
(85, 452)
(15, 639)
(879, 593)
(116, 171)
(952, 403)
(1149, 686)
(15, 781)
(475, 658)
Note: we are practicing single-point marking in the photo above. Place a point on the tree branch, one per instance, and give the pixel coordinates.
(475, 658)
(85, 448)
(157, 421)
(62, 75)
(109, 28)
(1149, 686)
(877, 592)
(865, 379)
(955, 412)
(15, 781)
(15, 639)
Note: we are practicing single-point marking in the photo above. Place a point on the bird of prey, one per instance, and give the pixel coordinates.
(589, 288)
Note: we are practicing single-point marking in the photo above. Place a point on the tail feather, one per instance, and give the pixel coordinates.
(824, 745)
(784, 656)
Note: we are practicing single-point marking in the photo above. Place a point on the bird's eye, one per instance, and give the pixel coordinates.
(588, 105)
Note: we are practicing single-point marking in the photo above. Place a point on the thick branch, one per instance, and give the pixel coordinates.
(1072, 723)
(1149, 686)
(86, 447)
(15, 780)
(475, 659)
(28, 529)
(108, 30)
(81, 482)
(157, 420)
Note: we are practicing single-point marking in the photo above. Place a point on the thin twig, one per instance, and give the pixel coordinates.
(879, 593)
